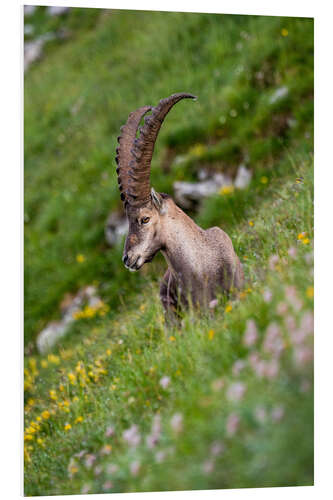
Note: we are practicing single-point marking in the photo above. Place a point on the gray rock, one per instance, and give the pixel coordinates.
(278, 94)
(28, 29)
(188, 194)
(70, 305)
(57, 11)
(116, 228)
(243, 177)
(33, 50)
(29, 10)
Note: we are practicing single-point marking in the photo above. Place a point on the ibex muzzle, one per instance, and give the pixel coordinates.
(201, 262)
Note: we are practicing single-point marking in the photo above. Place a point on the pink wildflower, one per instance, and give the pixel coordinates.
(108, 485)
(208, 466)
(309, 258)
(292, 252)
(281, 308)
(164, 382)
(109, 431)
(238, 366)
(307, 322)
(89, 460)
(176, 422)
(153, 438)
(135, 468)
(232, 424)
(85, 489)
(292, 298)
(98, 470)
(305, 386)
(290, 323)
(217, 384)
(236, 391)
(213, 303)
(273, 261)
(216, 448)
(272, 368)
(112, 468)
(303, 355)
(273, 342)
(251, 333)
(277, 413)
(132, 436)
(267, 295)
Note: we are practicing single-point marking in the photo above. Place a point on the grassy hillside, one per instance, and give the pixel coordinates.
(246, 367)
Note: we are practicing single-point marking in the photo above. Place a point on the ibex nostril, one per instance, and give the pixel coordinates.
(125, 257)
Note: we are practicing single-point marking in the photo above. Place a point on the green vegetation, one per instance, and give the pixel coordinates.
(232, 413)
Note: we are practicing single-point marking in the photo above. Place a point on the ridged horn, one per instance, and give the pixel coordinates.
(124, 155)
(136, 182)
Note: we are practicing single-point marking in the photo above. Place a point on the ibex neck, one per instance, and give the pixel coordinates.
(182, 243)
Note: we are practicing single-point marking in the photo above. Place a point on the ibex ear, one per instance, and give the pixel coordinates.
(157, 200)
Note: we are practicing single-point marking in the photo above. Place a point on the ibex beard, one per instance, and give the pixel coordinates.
(201, 263)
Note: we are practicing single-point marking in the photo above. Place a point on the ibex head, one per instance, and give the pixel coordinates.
(145, 208)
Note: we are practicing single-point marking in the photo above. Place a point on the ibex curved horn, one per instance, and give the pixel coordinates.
(134, 158)
(124, 155)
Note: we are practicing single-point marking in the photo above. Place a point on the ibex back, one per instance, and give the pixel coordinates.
(201, 263)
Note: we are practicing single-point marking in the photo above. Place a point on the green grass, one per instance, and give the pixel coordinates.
(76, 99)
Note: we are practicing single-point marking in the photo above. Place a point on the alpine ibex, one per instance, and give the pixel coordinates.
(200, 262)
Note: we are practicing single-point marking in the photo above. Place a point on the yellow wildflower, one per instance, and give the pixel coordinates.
(46, 414)
(301, 236)
(211, 334)
(264, 179)
(251, 223)
(310, 292)
(106, 449)
(305, 241)
(33, 365)
(197, 150)
(172, 338)
(228, 308)
(226, 190)
(284, 32)
(40, 441)
(52, 358)
(80, 258)
(78, 419)
(53, 394)
(67, 427)
(108, 352)
(79, 367)
(142, 307)
(71, 378)
(44, 363)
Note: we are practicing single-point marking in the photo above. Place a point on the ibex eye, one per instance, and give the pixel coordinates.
(145, 220)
